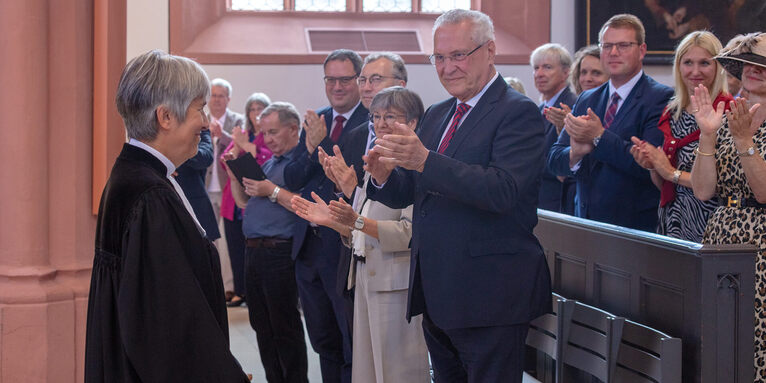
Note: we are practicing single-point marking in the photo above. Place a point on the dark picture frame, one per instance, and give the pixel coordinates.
(667, 22)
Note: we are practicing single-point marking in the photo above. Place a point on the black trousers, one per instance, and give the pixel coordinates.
(476, 354)
(235, 243)
(272, 301)
(324, 309)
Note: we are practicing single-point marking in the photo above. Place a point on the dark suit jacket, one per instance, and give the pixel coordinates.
(191, 177)
(305, 174)
(475, 261)
(611, 187)
(551, 189)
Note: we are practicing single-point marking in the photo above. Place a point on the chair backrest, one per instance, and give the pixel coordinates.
(544, 331)
(587, 341)
(645, 355)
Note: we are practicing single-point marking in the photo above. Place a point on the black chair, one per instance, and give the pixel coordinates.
(645, 355)
(544, 334)
(588, 345)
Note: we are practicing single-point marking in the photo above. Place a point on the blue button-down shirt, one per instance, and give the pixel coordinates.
(263, 218)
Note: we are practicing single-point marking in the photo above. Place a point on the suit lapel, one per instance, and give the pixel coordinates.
(630, 102)
(485, 105)
(433, 142)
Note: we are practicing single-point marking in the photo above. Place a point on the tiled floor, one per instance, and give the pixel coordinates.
(245, 348)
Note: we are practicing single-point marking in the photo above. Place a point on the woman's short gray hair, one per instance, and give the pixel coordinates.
(286, 113)
(401, 99)
(483, 30)
(156, 78)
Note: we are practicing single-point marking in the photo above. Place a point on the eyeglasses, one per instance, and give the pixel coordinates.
(374, 79)
(437, 59)
(389, 118)
(346, 80)
(621, 47)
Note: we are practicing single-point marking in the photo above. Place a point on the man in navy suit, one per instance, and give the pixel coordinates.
(191, 178)
(550, 65)
(316, 250)
(478, 274)
(595, 145)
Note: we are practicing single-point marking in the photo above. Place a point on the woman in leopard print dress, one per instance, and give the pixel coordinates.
(730, 165)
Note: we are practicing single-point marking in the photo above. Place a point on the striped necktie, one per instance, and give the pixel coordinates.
(461, 109)
(611, 111)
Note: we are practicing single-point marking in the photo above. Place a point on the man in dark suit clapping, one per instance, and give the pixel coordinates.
(594, 147)
(478, 274)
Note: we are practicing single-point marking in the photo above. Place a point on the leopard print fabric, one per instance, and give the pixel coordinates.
(742, 225)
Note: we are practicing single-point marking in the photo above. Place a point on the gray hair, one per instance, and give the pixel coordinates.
(153, 79)
(399, 98)
(400, 71)
(222, 83)
(482, 30)
(552, 49)
(285, 111)
(259, 98)
(516, 84)
(343, 55)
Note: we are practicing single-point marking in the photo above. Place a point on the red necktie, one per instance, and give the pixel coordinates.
(338, 129)
(461, 109)
(611, 110)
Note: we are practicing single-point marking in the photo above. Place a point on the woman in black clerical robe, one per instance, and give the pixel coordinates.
(156, 310)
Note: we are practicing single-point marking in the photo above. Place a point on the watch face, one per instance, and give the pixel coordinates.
(359, 223)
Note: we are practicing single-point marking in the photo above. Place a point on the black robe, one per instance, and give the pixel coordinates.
(156, 310)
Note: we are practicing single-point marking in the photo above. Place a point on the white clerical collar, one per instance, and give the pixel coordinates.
(165, 161)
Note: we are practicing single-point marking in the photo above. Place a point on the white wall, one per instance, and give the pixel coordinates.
(147, 28)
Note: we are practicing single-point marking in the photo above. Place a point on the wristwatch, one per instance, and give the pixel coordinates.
(747, 153)
(596, 140)
(676, 176)
(359, 223)
(274, 194)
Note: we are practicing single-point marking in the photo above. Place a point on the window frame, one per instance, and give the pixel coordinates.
(352, 6)
(212, 34)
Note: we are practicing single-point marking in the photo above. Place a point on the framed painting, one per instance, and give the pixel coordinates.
(668, 21)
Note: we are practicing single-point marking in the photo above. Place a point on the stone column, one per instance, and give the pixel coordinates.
(46, 220)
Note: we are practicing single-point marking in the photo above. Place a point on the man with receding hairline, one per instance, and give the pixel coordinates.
(477, 274)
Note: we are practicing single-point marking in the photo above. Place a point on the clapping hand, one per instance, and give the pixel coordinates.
(343, 213)
(315, 128)
(401, 148)
(556, 115)
(708, 119)
(240, 137)
(584, 128)
(317, 212)
(215, 128)
(742, 122)
(377, 169)
(640, 153)
(344, 177)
